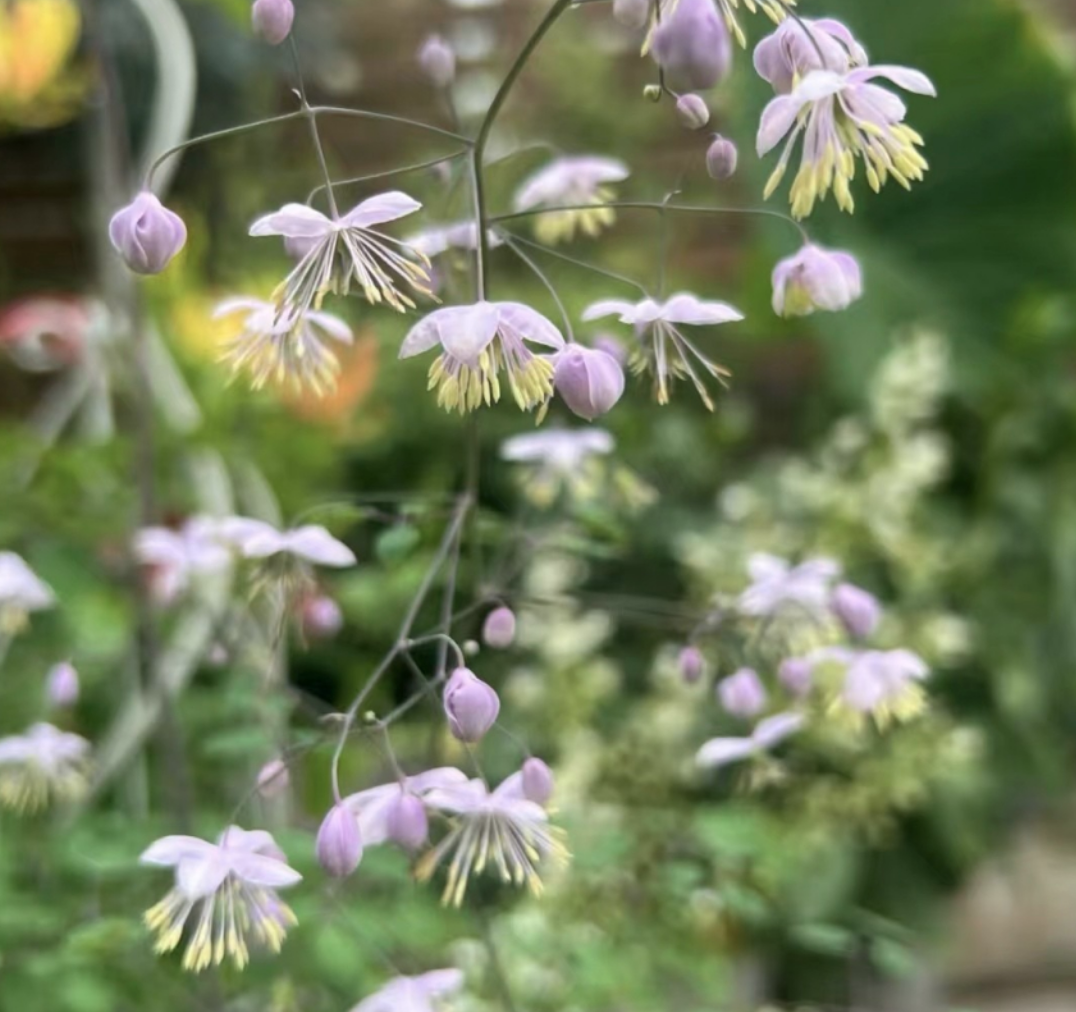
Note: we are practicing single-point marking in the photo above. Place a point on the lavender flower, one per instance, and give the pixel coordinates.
(234, 881)
(176, 558)
(856, 609)
(146, 234)
(479, 342)
(796, 675)
(406, 821)
(437, 60)
(345, 250)
(692, 664)
(320, 616)
(499, 828)
(815, 278)
(471, 706)
(588, 380)
(842, 117)
(558, 459)
(43, 765)
(798, 47)
(575, 180)
(377, 807)
(536, 780)
(768, 733)
(721, 158)
(663, 349)
(691, 44)
(499, 629)
(310, 543)
(776, 584)
(62, 685)
(884, 683)
(413, 994)
(21, 592)
(272, 19)
(742, 693)
(283, 345)
(432, 242)
(339, 842)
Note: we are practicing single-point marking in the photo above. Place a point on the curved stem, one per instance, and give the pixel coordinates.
(312, 121)
(612, 275)
(544, 278)
(429, 163)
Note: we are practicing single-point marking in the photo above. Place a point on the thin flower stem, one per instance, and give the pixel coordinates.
(312, 121)
(439, 637)
(544, 278)
(429, 163)
(612, 275)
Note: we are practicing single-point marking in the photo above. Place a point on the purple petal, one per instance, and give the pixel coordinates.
(439, 982)
(263, 871)
(529, 324)
(317, 545)
(171, 850)
(777, 120)
(331, 325)
(466, 331)
(384, 207)
(722, 751)
(776, 728)
(199, 876)
(610, 307)
(297, 221)
(686, 308)
(907, 78)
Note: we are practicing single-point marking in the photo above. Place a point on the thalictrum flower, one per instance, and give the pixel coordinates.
(413, 994)
(557, 459)
(310, 543)
(842, 117)
(177, 557)
(776, 584)
(572, 180)
(815, 278)
(478, 343)
(62, 685)
(373, 808)
(283, 345)
(856, 609)
(234, 881)
(21, 592)
(768, 733)
(885, 684)
(345, 251)
(500, 828)
(742, 693)
(40, 766)
(798, 47)
(439, 239)
(663, 350)
(691, 44)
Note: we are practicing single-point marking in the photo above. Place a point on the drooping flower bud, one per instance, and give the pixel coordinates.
(692, 46)
(721, 158)
(321, 617)
(692, 664)
(652, 92)
(742, 694)
(856, 609)
(589, 381)
(815, 278)
(537, 781)
(438, 61)
(407, 822)
(796, 674)
(61, 685)
(272, 19)
(694, 113)
(273, 779)
(631, 13)
(339, 845)
(499, 629)
(470, 705)
(146, 234)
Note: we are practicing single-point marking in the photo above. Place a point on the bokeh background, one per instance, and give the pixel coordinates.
(925, 436)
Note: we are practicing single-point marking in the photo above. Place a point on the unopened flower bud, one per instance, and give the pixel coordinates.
(272, 19)
(321, 617)
(339, 845)
(692, 46)
(815, 278)
(694, 113)
(652, 92)
(407, 822)
(470, 705)
(631, 13)
(721, 158)
(146, 234)
(499, 629)
(589, 381)
(438, 61)
(61, 685)
(692, 664)
(742, 694)
(796, 674)
(537, 781)
(856, 609)
(273, 779)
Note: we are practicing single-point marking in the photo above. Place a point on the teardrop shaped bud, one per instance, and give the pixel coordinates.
(692, 664)
(471, 706)
(407, 822)
(589, 381)
(537, 781)
(631, 13)
(692, 46)
(321, 617)
(742, 694)
(62, 685)
(273, 779)
(499, 629)
(796, 674)
(146, 234)
(694, 113)
(721, 158)
(438, 61)
(272, 19)
(339, 844)
(856, 609)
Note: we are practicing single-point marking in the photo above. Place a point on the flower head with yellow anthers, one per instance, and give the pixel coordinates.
(498, 828)
(41, 766)
(340, 252)
(801, 45)
(574, 180)
(21, 592)
(282, 345)
(662, 349)
(478, 344)
(842, 117)
(234, 883)
(882, 685)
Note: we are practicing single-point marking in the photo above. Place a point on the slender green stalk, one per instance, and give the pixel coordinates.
(585, 264)
(544, 278)
(403, 170)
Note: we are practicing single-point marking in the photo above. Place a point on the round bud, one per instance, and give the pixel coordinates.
(321, 617)
(694, 113)
(742, 694)
(652, 92)
(273, 779)
(537, 781)
(796, 675)
(499, 629)
(721, 158)
(856, 609)
(146, 234)
(471, 706)
(631, 13)
(407, 822)
(272, 20)
(589, 381)
(692, 664)
(438, 61)
(61, 685)
(339, 845)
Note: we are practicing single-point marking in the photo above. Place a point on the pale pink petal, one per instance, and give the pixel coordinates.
(233, 305)
(331, 325)
(777, 120)
(776, 728)
(722, 751)
(905, 77)
(437, 983)
(763, 566)
(384, 207)
(466, 331)
(529, 324)
(267, 872)
(317, 545)
(297, 221)
(686, 308)
(200, 876)
(610, 307)
(170, 850)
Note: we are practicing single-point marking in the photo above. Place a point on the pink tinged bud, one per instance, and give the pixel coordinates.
(815, 278)
(321, 617)
(273, 779)
(692, 664)
(537, 781)
(856, 609)
(339, 845)
(742, 694)
(499, 629)
(694, 113)
(631, 13)
(61, 685)
(721, 158)
(589, 381)
(470, 705)
(693, 46)
(272, 20)
(407, 822)
(796, 675)
(146, 234)
(438, 61)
